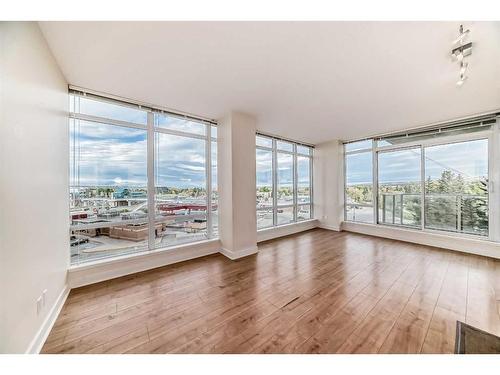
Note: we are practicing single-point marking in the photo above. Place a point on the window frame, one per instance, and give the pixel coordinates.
(422, 186)
(374, 166)
(275, 206)
(151, 129)
(492, 135)
(273, 182)
(487, 135)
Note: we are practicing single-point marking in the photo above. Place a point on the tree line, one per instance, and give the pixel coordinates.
(452, 202)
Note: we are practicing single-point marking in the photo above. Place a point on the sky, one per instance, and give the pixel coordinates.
(285, 169)
(117, 156)
(467, 158)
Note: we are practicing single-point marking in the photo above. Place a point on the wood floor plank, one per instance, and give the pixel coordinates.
(318, 291)
(482, 303)
(450, 307)
(370, 335)
(334, 331)
(408, 334)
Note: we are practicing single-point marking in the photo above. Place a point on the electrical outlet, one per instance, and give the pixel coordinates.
(44, 297)
(39, 305)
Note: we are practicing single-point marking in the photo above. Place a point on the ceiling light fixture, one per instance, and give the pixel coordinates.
(462, 79)
(463, 70)
(461, 51)
(463, 67)
(463, 34)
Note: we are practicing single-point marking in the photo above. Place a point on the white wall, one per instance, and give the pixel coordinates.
(236, 179)
(328, 177)
(34, 147)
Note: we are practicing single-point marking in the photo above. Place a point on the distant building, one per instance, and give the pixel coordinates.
(122, 193)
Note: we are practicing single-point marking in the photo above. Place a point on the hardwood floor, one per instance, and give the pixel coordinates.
(315, 292)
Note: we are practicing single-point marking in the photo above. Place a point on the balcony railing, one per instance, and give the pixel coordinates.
(464, 213)
(399, 209)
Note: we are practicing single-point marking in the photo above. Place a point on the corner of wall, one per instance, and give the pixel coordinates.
(37, 343)
(328, 167)
(233, 255)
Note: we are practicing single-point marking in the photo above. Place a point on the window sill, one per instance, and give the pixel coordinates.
(270, 233)
(108, 268)
(463, 243)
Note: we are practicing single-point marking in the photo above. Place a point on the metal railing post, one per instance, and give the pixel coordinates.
(383, 208)
(401, 208)
(394, 208)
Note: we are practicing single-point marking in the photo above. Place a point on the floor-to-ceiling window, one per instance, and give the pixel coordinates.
(284, 182)
(456, 187)
(359, 182)
(399, 187)
(437, 179)
(304, 182)
(140, 178)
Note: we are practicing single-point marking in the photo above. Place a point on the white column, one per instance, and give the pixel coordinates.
(236, 180)
(328, 184)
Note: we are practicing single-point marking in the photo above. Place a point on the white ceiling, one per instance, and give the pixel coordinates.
(310, 81)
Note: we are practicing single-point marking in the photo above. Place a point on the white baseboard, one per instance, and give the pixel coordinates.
(106, 269)
(233, 255)
(335, 228)
(42, 334)
(450, 242)
(285, 230)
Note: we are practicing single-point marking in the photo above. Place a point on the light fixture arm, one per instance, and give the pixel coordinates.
(460, 52)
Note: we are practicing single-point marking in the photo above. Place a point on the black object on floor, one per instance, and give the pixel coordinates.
(471, 340)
